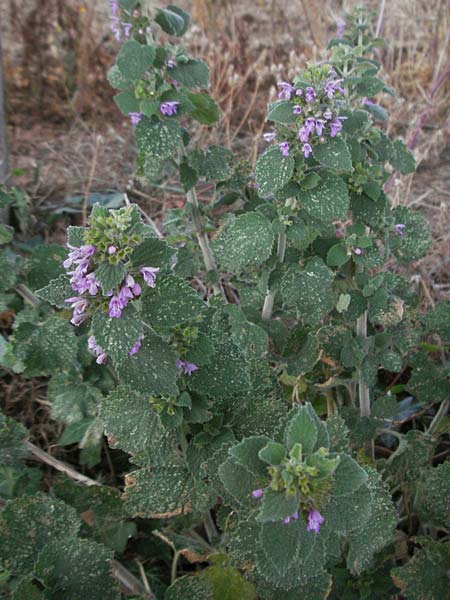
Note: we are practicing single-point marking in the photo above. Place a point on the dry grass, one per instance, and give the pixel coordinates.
(61, 108)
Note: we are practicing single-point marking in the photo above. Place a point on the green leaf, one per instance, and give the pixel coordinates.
(57, 292)
(281, 112)
(192, 73)
(416, 240)
(437, 320)
(72, 568)
(401, 159)
(134, 59)
(300, 234)
(110, 276)
(171, 303)
(301, 429)
(327, 202)
(424, 371)
(227, 582)
(337, 255)
(247, 454)
(128, 5)
(153, 369)
(27, 590)
(377, 111)
(127, 102)
(6, 233)
(159, 492)
(281, 543)
(377, 532)
(157, 138)
(130, 422)
(273, 453)
(276, 506)
(12, 438)
(333, 154)
(188, 176)
(238, 481)
(244, 241)
(433, 495)
(72, 400)
(425, 576)
(193, 587)
(48, 519)
(205, 110)
(344, 514)
(214, 164)
(370, 86)
(75, 235)
(173, 20)
(309, 290)
(46, 347)
(117, 336)
(273, 171)
(225, 376)
(153, 253)
(348, 477)
(44, 265)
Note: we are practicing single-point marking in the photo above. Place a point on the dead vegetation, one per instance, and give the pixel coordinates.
(66, 132)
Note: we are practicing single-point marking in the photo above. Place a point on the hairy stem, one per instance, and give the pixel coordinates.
(173, 570)
(364, 394)
(129, 581)
(281, 250)
(438, 416)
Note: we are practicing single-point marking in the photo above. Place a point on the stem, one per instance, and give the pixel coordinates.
(364, 394)
(129, 581)
(173, 570)
(27, 295)
(211, 530)
(281, 250)
(59, 465)
(438, 416)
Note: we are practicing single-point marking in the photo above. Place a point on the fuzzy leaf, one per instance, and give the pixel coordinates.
(110, 276)
(173, 20)
(158, 138)
(193, 73)
(348, 477)
(275, 506)
(133, 59)
(214, 164)
(153, 369)
(333, 154)
(73, 568)
(401, 159)
(244, 241)
(47, 519)
(273, 171)
(327, 202)
(205, 110)
(57, 291)
(153, 253)
(301, 429)
(12, 437)
(117, 336)
(281, 112)
(416, 240)
(130, 422)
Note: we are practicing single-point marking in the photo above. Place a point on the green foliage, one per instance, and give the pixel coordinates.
(273, 171)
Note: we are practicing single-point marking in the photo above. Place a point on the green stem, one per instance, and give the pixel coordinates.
(438, 416)
(363, 388)
(211, 530)
(281, 250)
(173, 570)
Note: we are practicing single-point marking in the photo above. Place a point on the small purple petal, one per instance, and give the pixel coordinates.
(399, 229)
(135, 117)
(357, 251)
(187, 367)
(169, 108)
(297, 110)
(269, 137)
(315, 520)
(284, 148)
(149, 275)
(258, 493)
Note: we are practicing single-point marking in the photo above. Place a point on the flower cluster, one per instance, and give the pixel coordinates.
(81, 281)
(311, 103)
(128, 290)
(116, 25)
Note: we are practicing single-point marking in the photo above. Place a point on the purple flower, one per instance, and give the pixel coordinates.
(135, 117)
(115, 307)
(187, 367)
(297, 110)
(97, 350)
(137, 346)
(101, 359)
(284, 148)
(315, 520)
(124, 295)
(112, 250)
(171, 63)
(169, 108)
(335, 127)
(149, 275)
(127, 29)
(357, 251)
(114, 4)
(269, 137)
(303, 134)
(299, 92)
(295, 516)
(286, 90)
(310, 94)
(306, 149)
(77, 319)
(93, 284)
(328, 114)
(287, 520)
(399, 229)
(319, 126)
(258, 493)
(340, 27)
(310, 124)
(331, 87)
(115, 27)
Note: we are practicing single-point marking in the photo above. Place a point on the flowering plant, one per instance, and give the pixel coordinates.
(247, 399)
